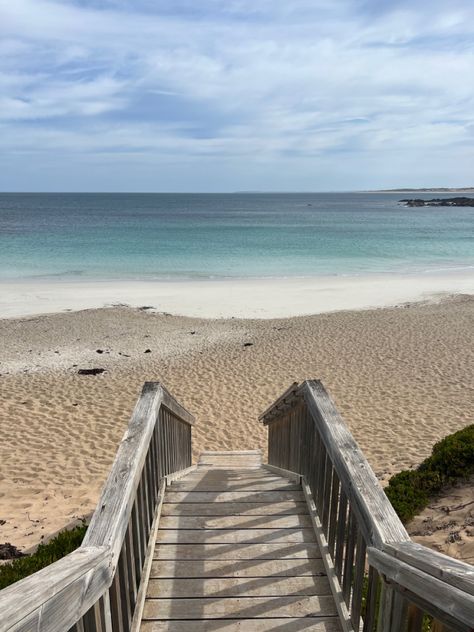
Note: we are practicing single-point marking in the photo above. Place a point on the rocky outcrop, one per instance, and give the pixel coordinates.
(455, 201)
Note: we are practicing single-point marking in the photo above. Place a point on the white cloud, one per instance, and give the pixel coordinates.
(267, 79)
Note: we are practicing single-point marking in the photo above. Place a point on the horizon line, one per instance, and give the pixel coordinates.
(246, 192)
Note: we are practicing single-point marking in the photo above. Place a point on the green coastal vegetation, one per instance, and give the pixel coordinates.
(451, 461)
(65, 542)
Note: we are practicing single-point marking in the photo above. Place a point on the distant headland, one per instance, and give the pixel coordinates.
(428, 190)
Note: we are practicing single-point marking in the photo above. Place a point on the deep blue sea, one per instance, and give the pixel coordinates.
(188, 236)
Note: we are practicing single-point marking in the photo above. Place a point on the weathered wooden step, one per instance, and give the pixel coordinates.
(236, 497)
(239, 607)
(237, 551)
(244, 480)
(324, 624)
(237, 587)
(233, 568)
(235, 459)
(230, 453)
(227, 467)
(235, 486)
(232, 475)
(230, 481)
(233, 509)
(234, 536)
(234, 522)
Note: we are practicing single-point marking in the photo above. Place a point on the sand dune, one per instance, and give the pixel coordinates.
(401, 377)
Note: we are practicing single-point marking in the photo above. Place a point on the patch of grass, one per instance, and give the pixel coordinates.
(451, 460)
(65, 542)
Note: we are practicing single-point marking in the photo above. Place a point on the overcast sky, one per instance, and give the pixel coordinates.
(208, 95)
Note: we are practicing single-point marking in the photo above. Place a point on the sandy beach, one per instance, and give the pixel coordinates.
(400, 376)
(234, 298)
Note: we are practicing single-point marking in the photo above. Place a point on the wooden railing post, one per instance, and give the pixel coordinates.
(380, 573)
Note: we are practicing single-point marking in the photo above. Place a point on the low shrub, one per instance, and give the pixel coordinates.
(451, 460)
(65, 542)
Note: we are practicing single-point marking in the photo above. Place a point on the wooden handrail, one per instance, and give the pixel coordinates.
(375, 514)
(57, 596)
(279, 404)
(451, 606)
(110, 519)
(95, 588)
(169, 402)
(366, 548)
(447, 569)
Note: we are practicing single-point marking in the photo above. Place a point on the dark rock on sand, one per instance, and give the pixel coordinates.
(90, 371)
(9, 552)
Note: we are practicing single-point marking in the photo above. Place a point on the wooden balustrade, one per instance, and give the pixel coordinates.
(98, 587)
(382, 582)
(380, 579)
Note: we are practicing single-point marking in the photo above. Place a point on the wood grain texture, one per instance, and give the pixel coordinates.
(327, 560)
(236, 486)
(321, 624)
(95, 587)
(110, 519)
(451, 571)
(234, 497)
(176, 408)
(169, 569)
(446, 603)
(239, 607)
(234, 536)
(231, 566)
(175, 476)
(236, 459)
(375, 515)
(307, 435)
(143, 586)
(280, 403)
(233, 509)
(233, 474)
(292, 476)
(283, 551)
(237, 586)
(57, 596)
(234, 522)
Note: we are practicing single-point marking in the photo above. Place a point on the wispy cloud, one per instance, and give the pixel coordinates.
(341, 94)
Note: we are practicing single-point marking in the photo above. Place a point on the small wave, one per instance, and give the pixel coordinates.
(66, 273)
(449, 269)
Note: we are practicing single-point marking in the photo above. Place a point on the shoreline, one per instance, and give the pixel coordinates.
(233, 298)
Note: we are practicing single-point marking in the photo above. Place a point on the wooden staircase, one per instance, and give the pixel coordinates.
(236, 550)
(308, 541)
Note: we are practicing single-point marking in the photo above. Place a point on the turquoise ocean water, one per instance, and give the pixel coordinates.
(197, 236)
